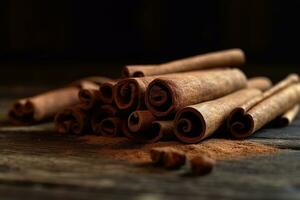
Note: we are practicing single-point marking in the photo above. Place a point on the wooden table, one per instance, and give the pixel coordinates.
(37, 163)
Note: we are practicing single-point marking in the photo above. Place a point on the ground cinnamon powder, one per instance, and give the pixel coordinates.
(120, 148)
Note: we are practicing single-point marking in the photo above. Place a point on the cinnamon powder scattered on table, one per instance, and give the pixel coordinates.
(121, 148)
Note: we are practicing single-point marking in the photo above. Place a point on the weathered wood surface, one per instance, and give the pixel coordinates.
(37, 163)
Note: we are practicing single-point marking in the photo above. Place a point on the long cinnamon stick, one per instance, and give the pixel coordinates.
(165, 96)
(262, 83)
(46, 105)
(254, 114)
(100, 113)
(225, 58)
(196, 122)
(73, 120)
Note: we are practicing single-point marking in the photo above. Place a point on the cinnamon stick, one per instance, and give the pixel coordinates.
(106, 92)
(99, 114)
(158, 130)
(165, 96)
(73, 120)
(89, 98)
(254, 114)
(287, 118)
(262, 83)
(129, 94)
(219, 59)
(44, 106)
(111, 127)
(140, 120)
(196, 122)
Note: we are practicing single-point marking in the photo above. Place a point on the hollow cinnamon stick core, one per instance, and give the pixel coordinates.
(106, 92)
(262, 83)
(165, 96)
(72, 120)
(253, 115)
(196, 122)
(99, 114)
(225, 58)
(111, 127)
(89, 98)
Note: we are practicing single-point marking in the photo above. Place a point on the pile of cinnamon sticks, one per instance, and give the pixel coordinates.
(188, 100)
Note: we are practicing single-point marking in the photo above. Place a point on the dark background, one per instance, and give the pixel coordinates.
(52, 42)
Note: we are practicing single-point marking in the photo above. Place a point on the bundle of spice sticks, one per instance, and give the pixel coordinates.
(186, 100)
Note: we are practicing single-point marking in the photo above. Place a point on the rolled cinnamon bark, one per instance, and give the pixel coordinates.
(196, 122)
(140, 120)
(129, 94)
(111, 127)
(288, 117)
(106, 92)
(254, 114)
(73, 120)
(165, 96)
(158, 130)
(44, 106)
(99, 114)
(262, 83)
(225, 58)
(89, 98)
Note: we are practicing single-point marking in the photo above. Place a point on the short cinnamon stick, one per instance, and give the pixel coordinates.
(165, 96)
(73, 120)
(158, 130)
(262, 83)
(254, 114)
(140, 120)
(129, 94)
(106, 92)
(219, 59)
(286, 118)
(111, 127)
(196, 122)
(99, 114)
(89, 98)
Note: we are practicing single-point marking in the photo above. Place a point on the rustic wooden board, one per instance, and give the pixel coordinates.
(37, 163)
